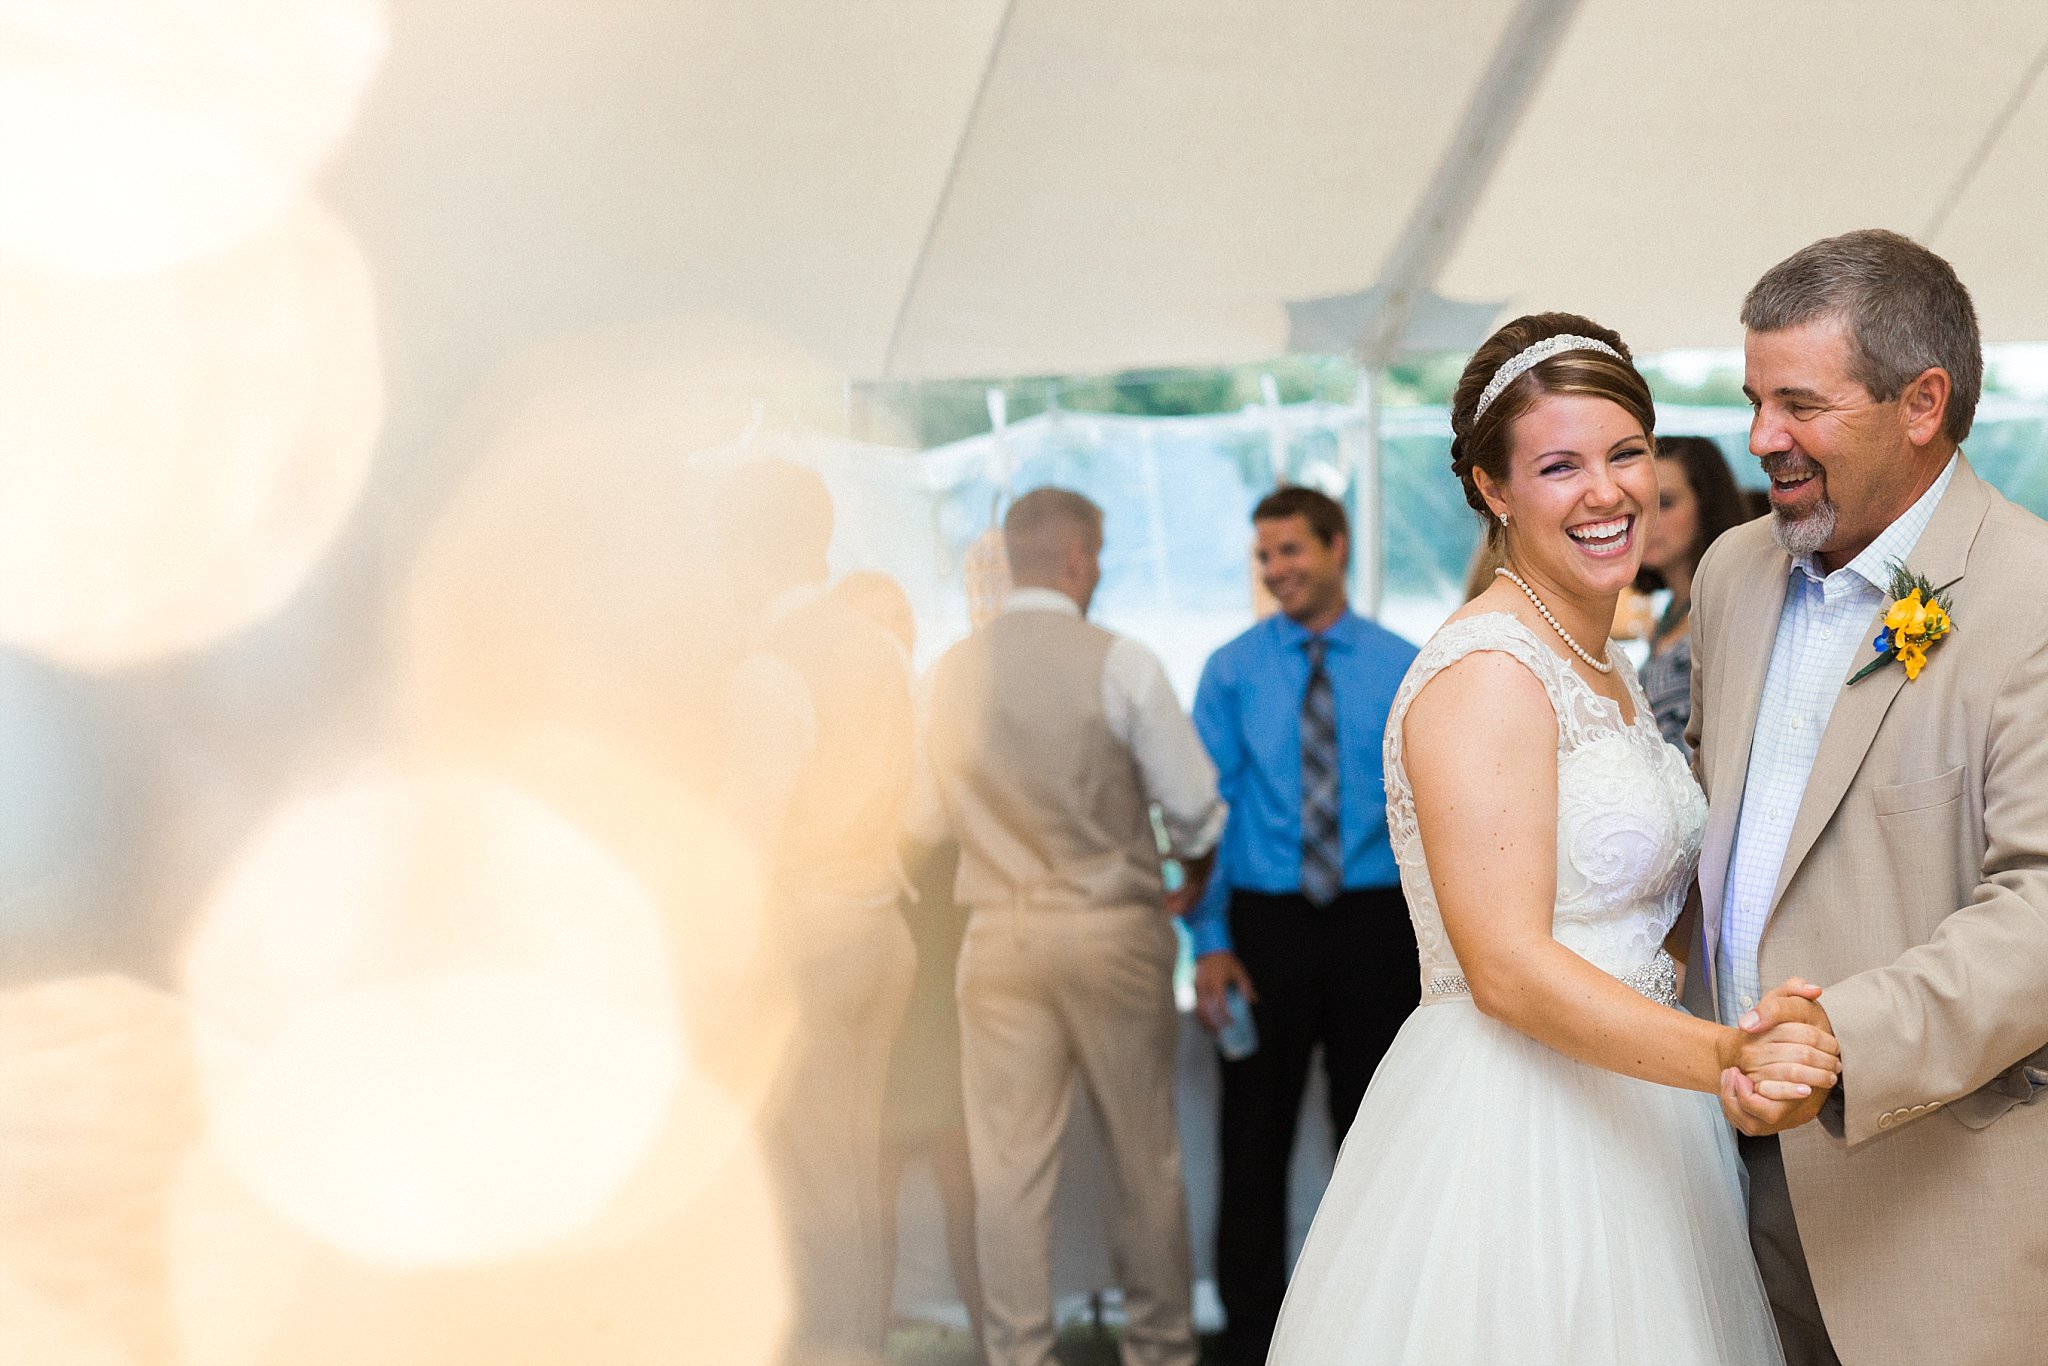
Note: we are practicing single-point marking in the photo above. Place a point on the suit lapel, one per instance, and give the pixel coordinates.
(1942, 555)
(1734, 724)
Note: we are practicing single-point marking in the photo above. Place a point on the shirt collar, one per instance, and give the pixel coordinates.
(1343, 632)
(1895, 542)
(1040, 600)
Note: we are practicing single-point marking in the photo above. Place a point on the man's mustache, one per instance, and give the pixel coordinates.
(1788, 466)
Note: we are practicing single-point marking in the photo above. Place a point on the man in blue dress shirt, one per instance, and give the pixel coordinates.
(1303, 914)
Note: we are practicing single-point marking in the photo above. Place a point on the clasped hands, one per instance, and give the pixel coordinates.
(1780, 1061)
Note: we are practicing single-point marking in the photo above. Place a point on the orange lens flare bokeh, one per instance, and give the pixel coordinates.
(137, 135)
(179, 450)
(436, 1021)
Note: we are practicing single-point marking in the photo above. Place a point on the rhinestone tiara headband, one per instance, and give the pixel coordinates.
(1515, 366)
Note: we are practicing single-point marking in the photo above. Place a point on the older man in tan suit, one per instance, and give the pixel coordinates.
(1882, 832)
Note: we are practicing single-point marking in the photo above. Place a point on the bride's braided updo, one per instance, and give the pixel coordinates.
(1483, 440)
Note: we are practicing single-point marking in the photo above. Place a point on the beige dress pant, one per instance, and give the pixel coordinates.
(822, 1133)
(1046, 994)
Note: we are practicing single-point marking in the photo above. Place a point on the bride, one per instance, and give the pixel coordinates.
(1540, 1172)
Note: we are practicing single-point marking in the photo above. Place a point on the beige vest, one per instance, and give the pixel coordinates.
(839, 837)
(1047, 804)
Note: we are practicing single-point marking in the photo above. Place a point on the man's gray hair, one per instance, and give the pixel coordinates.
(1903, 307)
(1037, 528)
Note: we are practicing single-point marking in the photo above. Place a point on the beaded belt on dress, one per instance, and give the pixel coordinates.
(1656, 979)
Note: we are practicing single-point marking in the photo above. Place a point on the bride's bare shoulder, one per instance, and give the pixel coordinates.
(1485, 694)
(1489, 683)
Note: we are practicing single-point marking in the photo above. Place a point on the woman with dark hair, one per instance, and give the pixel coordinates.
(1539, 1172)
(1696, 501)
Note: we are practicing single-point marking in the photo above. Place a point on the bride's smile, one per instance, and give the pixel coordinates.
(1581, 487)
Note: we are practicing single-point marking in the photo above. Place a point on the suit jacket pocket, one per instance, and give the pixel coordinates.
(1899, 798)
(1921, 826)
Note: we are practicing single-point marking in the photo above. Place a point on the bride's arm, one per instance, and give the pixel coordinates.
(1481, 752)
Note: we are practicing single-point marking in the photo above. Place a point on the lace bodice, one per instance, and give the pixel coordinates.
(1629, 813)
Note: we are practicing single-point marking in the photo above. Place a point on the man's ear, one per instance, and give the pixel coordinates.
(1924, 404)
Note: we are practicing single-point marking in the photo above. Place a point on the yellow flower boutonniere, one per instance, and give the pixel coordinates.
(1917, 620)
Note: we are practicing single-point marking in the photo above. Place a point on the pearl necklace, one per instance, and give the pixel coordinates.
(1598, 665)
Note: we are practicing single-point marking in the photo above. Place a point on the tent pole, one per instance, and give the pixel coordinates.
(1436, 225)
(1276, 429)
(1368, 569)
(945, 199)
(1533, 34)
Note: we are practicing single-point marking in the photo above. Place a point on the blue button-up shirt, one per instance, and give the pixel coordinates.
(1248, 711)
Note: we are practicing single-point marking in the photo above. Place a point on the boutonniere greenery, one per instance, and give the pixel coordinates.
(1917, 620)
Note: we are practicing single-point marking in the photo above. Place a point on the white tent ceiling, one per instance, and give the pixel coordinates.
(1676, 151)
(943, 188)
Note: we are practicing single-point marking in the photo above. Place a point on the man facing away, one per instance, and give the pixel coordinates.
(1050, 739)
(1303, 917)
(1882, 831)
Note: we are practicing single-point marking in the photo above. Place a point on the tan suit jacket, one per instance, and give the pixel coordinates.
(1915, 890)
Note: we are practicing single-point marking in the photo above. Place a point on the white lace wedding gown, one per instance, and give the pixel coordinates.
(1495, 1201)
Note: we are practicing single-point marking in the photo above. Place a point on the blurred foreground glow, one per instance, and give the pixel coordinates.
(36, 1330)
(435, 1019)
(64, 814)
(99, 1106)
(570, 621)
(138, 134)
(674, 841)
(178, 450)
(704, 1283)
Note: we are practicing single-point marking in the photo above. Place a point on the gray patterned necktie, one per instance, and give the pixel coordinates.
(1322, 841)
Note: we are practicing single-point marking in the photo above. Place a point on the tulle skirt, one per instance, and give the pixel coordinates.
(1497, 1202)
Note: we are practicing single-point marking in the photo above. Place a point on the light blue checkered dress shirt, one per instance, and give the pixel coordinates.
(1826, 628)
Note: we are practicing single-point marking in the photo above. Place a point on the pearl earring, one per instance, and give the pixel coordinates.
(1503, 518)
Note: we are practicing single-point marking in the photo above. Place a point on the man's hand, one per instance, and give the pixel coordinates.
(1194, 880)
(1786, 1061)
(1215, 974)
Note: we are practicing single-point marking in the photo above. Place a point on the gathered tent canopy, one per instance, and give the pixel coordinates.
(962, 188)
